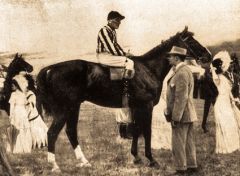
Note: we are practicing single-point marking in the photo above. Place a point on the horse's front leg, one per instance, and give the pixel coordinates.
(147, 133)
(71, 131)
(148, 151)
(135, 134)
(134, 148)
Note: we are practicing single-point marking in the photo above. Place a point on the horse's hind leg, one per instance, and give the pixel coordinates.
(53, 133)
(71, 131)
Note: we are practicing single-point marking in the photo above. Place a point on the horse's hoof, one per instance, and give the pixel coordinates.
(55, 167)
(137, 161)
(205, 130)
(154, 164)
(84, 164)
(56, 170)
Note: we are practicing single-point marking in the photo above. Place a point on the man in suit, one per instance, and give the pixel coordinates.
(180, 111)
(208, 90)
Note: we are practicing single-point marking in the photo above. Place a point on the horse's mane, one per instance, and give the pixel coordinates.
(31, 83)
(163, 46)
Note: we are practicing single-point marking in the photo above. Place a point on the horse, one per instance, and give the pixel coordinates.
(62, 87)
(17, 65)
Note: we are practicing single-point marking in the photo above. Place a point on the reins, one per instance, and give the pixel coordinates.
(188, 48)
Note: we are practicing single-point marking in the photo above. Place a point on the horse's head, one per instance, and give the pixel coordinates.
(156, 59)
(17, 65)
(186, 40)
(182, 39)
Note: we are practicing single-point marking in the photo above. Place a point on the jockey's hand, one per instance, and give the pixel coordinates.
(129, 55)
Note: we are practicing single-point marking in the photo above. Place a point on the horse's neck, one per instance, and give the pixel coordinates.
(158, 66)
(8, 83)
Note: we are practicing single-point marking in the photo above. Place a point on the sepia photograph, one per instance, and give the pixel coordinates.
(119, 87)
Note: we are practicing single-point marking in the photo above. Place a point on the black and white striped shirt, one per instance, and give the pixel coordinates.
(107, 42)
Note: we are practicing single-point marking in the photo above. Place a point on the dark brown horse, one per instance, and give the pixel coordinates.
(17, 65)
(62, 87)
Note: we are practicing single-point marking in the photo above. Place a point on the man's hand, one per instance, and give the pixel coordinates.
(174, 124)
(167, 115)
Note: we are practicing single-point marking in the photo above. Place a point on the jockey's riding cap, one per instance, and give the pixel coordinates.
(115, 14)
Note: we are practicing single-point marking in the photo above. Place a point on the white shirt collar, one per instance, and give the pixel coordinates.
(178, 65)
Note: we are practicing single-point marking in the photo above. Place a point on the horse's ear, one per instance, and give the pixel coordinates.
(20, 56)
(16, 56)
(185, 29)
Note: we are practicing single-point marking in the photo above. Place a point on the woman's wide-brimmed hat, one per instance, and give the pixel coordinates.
(225, 59)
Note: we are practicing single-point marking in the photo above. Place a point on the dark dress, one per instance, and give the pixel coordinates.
(235, 81)
(208, 92)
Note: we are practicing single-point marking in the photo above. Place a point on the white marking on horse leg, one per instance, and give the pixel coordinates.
(51, 159)
(79, 155)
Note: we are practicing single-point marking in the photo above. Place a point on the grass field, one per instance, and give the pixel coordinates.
(97, 132)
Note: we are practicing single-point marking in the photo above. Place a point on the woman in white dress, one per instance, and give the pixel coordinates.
(38, 127)
(22, 142)
(226, 114)
(161, 129)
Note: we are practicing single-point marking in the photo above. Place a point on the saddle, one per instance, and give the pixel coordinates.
(97, 71)
(120, 73)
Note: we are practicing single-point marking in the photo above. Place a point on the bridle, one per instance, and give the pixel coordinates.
(187, 46)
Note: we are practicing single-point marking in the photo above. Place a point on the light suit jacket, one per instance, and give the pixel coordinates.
(180, 95)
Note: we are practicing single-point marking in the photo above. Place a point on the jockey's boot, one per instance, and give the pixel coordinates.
(130, 130)
(123, 130)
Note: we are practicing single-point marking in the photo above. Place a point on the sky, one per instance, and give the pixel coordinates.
(70, 27)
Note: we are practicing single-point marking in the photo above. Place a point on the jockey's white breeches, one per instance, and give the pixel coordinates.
(115, 61)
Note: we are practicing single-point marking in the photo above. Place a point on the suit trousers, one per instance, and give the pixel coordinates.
(183, 146)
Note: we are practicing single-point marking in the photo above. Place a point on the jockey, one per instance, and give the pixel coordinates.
(110, 53)
(107, 45)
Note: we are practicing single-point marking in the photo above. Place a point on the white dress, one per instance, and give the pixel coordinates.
(38, 127)
(19, 120)
(161, 129)
(227, 118)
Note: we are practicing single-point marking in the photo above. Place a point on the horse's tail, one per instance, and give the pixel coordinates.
(42, 92)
